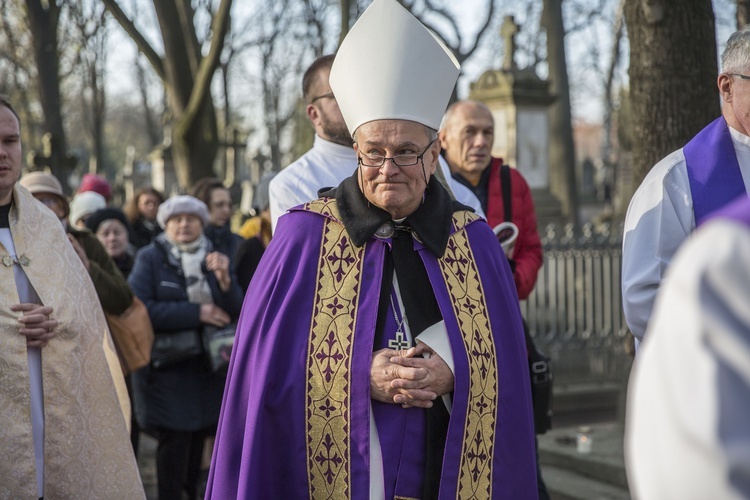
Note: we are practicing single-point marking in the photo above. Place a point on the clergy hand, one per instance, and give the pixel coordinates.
(437, 381)
(383, 373)
(38, 325)
(406, 378)
(219, 264)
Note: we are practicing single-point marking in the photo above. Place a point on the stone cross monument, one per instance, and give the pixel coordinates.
(519, 101)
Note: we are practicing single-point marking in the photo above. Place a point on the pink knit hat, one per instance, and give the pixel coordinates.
(92, 182)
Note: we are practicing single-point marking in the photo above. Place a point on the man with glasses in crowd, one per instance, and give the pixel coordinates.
(382, 353)
(711, 170)
(329, 161)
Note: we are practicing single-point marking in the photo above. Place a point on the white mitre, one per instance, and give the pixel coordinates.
(390, 66)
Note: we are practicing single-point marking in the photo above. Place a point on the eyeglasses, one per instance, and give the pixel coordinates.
(329, 94)
(398, 160)
(47, 200)
(744, 77)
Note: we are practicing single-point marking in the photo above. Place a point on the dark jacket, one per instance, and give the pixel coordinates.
(141, 235)
(225, 241)
(111, 287)
(187, 396)
(249, 254)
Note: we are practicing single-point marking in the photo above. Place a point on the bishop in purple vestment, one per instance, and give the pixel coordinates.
(380, 352)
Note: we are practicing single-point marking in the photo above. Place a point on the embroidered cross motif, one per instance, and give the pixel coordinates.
(400, 342)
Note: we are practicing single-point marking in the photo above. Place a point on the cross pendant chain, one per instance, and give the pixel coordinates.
(400, 342)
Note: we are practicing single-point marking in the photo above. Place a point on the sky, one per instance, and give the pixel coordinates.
(586, 47)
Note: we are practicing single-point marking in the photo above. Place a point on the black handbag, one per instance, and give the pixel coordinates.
(175, 347)
(541, 385)
(218, 343)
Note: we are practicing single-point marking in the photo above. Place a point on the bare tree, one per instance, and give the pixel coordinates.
(435, 14)
(90, 24)
(561, 149)
(16, 66)
(673, 71)
(43, 18)
(186, 75)
(153, 131)
(743, 13)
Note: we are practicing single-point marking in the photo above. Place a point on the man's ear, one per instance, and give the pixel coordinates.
(724, 82)
(433, 154)
(312, 113)
(442, 138)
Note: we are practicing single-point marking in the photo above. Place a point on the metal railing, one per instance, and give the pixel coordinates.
(575, 311)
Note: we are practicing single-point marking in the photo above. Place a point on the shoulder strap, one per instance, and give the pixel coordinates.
(505, 183)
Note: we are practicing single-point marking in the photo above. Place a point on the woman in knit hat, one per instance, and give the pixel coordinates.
(185, 285)
(111, 227)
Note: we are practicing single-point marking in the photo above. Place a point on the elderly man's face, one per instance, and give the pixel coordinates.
(467, 138)
(397, 190)
(10, 153)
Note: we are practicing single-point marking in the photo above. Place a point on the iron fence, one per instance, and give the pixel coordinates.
(575, 311)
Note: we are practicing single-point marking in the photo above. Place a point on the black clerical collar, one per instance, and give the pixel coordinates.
(430, 222)
(4, 211)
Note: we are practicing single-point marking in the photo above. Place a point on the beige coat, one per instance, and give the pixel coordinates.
(87, 450)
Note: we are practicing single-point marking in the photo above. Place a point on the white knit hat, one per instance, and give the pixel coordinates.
(84, 204)
(182, 205)
(391, 67)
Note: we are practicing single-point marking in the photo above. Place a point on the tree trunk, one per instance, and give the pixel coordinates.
(187, 76)
(673, 72)
(561, 150)
(346, 8)
(43, 20)
(98, 113)
(743, 13)
(194, 144)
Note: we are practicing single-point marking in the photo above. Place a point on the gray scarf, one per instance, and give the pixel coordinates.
(191, 256)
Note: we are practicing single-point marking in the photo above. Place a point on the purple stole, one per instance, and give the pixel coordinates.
(713, 170)
(738, 210)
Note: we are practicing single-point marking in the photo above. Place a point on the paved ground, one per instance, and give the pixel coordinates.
(570, 474)
(147, 464)
(596, 472)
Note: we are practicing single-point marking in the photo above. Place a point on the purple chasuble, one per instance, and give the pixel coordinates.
(278, 438)
(712, 168)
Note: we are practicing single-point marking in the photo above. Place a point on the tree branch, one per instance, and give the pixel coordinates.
(207, 67)
(139, 40)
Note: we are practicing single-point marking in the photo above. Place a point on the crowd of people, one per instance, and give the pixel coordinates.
(370, 309)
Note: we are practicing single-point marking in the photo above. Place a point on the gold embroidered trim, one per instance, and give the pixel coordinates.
(467, 297)
(329, 359)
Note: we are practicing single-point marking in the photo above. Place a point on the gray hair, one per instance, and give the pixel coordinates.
(736, 55)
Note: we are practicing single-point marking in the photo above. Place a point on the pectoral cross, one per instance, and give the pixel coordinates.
(400, 342)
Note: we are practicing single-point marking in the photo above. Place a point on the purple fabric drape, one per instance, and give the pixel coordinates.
(713, 170)
(260, 449)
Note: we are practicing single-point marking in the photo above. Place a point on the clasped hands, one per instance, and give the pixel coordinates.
(405, 377)
(38, 325)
